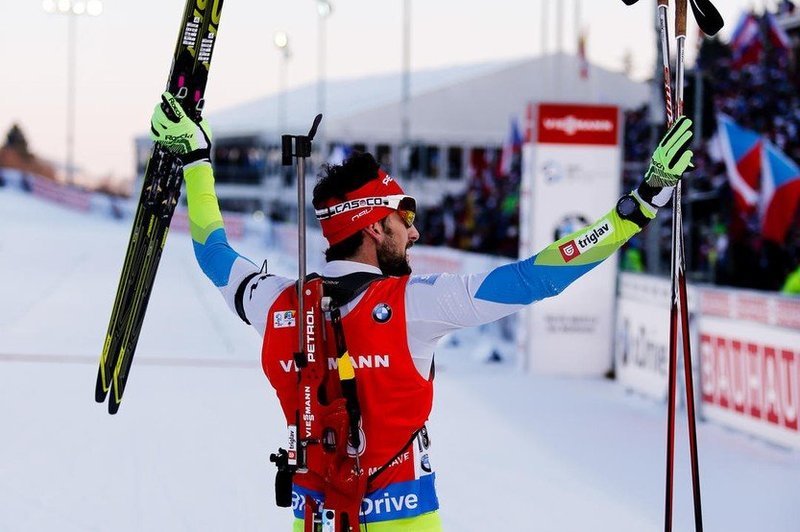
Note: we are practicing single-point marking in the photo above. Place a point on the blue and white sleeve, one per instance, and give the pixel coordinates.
(441, 303)
(226, 268)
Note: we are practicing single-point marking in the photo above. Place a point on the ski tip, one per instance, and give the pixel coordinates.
(113, 406)
(630, 2)
(100, 392)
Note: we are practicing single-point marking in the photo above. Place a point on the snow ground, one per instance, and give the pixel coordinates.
(189, 448)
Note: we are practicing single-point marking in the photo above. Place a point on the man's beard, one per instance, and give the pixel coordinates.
(391, 262)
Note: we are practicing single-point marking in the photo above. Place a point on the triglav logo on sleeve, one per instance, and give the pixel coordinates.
(578, 246)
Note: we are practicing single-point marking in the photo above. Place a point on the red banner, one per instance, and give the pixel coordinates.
(756, 380)
(778, 311)
(578, 124)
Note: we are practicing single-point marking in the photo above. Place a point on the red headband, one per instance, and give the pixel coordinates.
(358, 211)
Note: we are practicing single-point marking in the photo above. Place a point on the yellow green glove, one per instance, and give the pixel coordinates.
(171, 127)
(672, 156)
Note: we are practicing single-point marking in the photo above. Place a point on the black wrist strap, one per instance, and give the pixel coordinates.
(637, 216)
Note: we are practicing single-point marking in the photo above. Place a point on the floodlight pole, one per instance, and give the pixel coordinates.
(71, 90)
(405, 121)
(72, 9)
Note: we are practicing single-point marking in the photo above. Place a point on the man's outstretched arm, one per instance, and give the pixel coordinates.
(439, 304)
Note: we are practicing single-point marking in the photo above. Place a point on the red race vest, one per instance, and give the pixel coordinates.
(395, 399)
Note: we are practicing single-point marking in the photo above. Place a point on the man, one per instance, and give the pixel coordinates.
(392, 321)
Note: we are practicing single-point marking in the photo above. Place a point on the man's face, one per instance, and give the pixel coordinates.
(393, 250)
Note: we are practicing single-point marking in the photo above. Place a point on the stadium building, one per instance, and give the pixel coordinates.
(458, 117)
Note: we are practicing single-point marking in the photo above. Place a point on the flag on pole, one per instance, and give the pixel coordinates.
(780, 193)
(512, 147)
(777, 36)
(764, 180)
(746, 43)
(741, 151)
(583, 60)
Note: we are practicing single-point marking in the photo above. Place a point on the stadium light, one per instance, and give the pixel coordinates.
(281, 41)
(73, 8)
(94, 8)
(324, 10)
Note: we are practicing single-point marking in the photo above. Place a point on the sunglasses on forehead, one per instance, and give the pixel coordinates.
(406, 207)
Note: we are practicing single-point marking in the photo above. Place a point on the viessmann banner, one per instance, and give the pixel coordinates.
(571, 175)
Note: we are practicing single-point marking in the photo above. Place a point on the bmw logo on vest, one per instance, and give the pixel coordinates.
(382, 313)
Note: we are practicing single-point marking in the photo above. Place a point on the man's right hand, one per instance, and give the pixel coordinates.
(189, 140)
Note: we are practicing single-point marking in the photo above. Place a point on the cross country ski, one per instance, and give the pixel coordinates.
(161, 189)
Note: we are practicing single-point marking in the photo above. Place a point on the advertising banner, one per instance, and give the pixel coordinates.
(641, 349)
(65, 195)
(750, 363)
(571, 176)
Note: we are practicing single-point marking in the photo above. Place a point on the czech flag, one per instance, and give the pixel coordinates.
(741, 151)
(780, 193)
(746, 42)
(777, 36)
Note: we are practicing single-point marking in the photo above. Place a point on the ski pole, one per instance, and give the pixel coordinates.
(679, 295)
(663, 6)
(710, 22)
(663, 26)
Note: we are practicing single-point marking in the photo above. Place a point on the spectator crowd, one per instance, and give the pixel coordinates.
(724, 245)
(485, 219)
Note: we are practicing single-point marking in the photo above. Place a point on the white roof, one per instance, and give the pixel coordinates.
(343, 97)
(466, 104)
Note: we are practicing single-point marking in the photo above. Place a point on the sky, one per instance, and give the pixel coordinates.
(124, 56)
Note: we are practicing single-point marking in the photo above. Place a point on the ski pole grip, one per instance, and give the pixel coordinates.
(680, 18)
(286, 150)
(664, 3)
